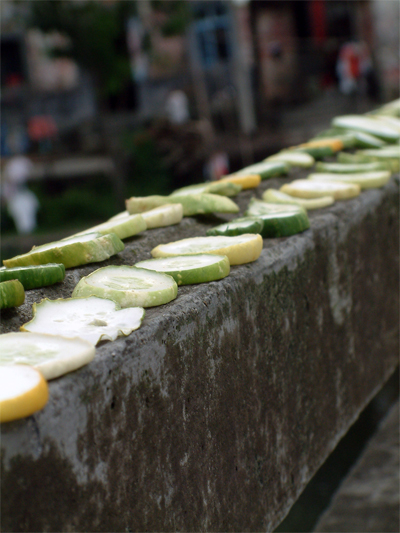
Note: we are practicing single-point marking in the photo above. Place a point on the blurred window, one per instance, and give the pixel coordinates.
(212, 29)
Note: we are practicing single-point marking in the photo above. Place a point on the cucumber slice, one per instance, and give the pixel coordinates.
(280, 220)
(246, 181)
(239, 250)
(349, 168)
(94, 319)
(315, 189)
(317, 152)
(359, 157)
(128, 286)
(224, 188)
(23, 391)
(12, 294)
(273, 196)
(238, 226)
(165, 215)
(367, 125)
(71, 252)
(292, 158)
(265, 169)
(123, 227)
(366, 180)
(193, 204)
(190, 269)
(353, 139)
(34, 276)
(52, 355)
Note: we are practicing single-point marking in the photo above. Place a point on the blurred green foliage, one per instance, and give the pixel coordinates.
(97, 31)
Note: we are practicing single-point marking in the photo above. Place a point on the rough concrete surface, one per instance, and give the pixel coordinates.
(215, 413)
(368, 500)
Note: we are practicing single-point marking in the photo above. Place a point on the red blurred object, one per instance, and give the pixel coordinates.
(318, 21)
(42, 127)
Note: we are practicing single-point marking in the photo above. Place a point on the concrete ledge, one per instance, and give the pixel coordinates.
(215, 414)
(368, 500)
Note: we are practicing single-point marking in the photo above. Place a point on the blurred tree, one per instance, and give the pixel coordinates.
(97, 31)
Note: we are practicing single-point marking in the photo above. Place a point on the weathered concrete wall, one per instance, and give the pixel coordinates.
(219, 409)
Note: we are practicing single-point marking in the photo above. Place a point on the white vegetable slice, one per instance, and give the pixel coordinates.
(94, 319)
(274, 196)
(23, 391)
(293, 158)
(128, 286)
(239, 249)
(315, 189)
(366, 180)
(224, 188)
(369, 125)
(52, 355)
(165, 215)
(123, 227)
(190, 269)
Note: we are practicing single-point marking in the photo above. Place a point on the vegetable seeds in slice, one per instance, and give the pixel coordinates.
(129, 286)
(91, 318)
(239, 250)
(190, 269)
(51, 354)
(23, 391)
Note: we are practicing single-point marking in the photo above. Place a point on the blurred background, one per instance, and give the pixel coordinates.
(102, 100)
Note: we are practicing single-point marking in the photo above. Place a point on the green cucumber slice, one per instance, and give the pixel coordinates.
(353, 138)
(316, 189)
(52, 355)
(317, 152)
(349, 168)
(165, 215)
(239, 250)
(190, 269)
(94, 319)
(193, 204)
(34, 276)
(129, 286)
(280, 220)
(273, 196)
(123, 227)
(238, 226)
(265, 169)
(71, 252)
(360, 157)
(224, 188)
(12, 294)
(366, 180)
(292, 158)
(367, 125)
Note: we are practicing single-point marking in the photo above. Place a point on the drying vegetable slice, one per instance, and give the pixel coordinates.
(392, 163)
(293, 158)
(246, 181)
(279, 197)
(266, 169)
(366, 180)
(71, 252)
(123, 227)
(238, 226)
(23, 391)
(224, 188)
(367, 125)
(280, 220)
(349, 168)
(12, 294)
(34, 276)
(190, 269)
(315, 189)
(128, 286)
(165, 215)
(92, 318)
(193, 204)
(239, 250)
(52, 355)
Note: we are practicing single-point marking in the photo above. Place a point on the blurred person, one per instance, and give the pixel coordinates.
(177, 107)
(22, 204)
(217, 166)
